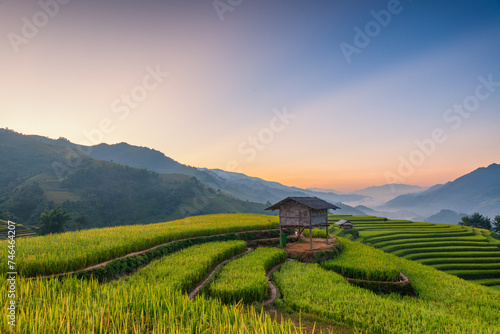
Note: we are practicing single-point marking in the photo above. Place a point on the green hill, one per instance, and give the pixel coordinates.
(38, 176)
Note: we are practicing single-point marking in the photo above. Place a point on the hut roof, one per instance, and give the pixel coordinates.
(311, 202)
(342, 222)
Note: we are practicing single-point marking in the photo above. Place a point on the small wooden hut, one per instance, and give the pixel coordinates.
(303, 212)
(345, 224)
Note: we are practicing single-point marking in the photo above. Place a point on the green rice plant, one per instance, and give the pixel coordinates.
(319, 233)
(446, 249)
(390, 227)
(433, 244)
(446, 304)
(377, 236)
(195, 261)
(467, 266)
(475, 273)
(430, 255)
(74, 306)
(363, 262)
(71, 251)
(487, 281)
(148, 302)
(245, 278)
(451, 248)
(476, 238)
(355, 218)
(465, 260)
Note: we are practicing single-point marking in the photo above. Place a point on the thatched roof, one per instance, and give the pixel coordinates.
(311, 202)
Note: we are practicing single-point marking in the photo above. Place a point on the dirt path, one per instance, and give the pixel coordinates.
(212, 273)
(102, 264)
(272, 287)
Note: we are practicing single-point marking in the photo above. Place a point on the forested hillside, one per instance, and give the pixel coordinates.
(36, 176)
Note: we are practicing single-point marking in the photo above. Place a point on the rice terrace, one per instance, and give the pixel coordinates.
(260, 167)
(454, 276)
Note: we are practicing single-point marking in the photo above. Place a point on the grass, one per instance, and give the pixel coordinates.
(488, 281)
(470, 255)
(461, 260)
(467, 266)
(195, 261)
(446, 249)
(363, 262)
(446, 304)
(445, 239)
(432, 244)
(474, 274)
(71, 251)
(467, 252)
(75, 306)
(244, 279)
(336, 218)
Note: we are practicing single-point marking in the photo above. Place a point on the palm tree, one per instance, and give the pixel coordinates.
(53, 221)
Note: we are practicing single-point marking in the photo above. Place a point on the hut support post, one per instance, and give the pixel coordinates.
(281, 237)
(311, 236)
(327, 237)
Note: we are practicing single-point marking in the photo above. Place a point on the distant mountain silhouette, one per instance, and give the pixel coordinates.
(237, 185)
(389, 190)
(378, 195)
(38, 175)
(446, 217)
(478, 191)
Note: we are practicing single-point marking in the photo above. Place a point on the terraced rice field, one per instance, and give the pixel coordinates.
(21, 231)
(183, 269)
(468, 253)
(364, 263)
(245, 278)
(150, 301)
(154, 299)
(445, 304)
(80, 249)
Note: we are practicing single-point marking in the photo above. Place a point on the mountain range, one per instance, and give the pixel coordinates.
(233, 184)
(36, 175)
(477, 191)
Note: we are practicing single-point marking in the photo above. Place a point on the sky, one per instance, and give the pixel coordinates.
(327, 94)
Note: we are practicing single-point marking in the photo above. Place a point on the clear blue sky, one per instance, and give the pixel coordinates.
(332, 94)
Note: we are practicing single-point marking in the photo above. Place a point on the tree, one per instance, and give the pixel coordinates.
(53, 221)
(496, 224)
(476, 220)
